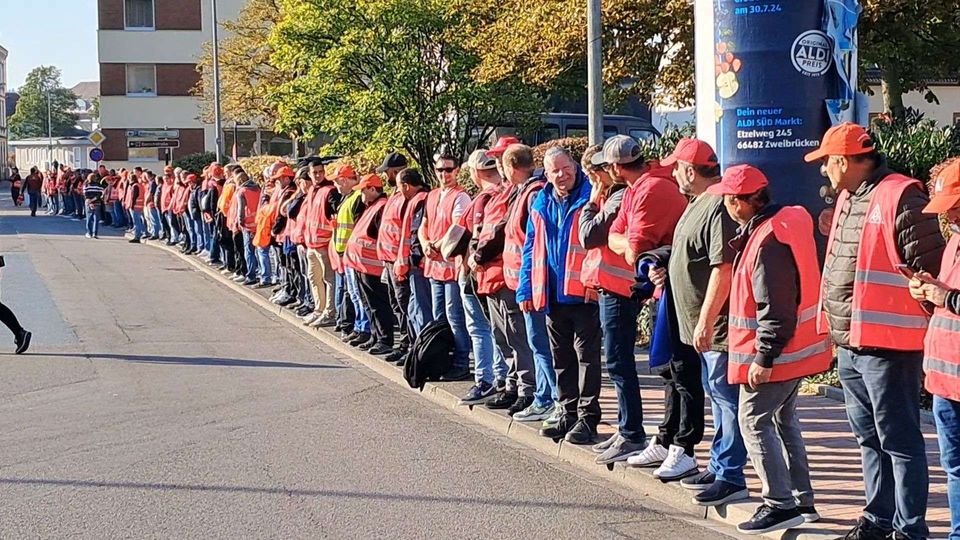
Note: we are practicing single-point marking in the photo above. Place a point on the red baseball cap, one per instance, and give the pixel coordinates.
(370, 181)
(739, 180)
(283, 172)
(692, 151)
(345, 171)
(846, 139)
(946, 189)
(501, 146)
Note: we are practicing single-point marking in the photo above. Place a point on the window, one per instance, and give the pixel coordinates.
(956, 118)
(576, 130)
(547, 133)
(610, 131)
(642, 134)
(77, 157)
(141, 80)
(138, 14)
(141, 154)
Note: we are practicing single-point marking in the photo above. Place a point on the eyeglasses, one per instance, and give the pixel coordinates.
(445, 169)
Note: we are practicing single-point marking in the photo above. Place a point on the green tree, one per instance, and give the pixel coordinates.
(30, 120)
(381, 74)
(911, 41)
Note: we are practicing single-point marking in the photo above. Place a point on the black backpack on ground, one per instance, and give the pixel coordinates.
(431, 355)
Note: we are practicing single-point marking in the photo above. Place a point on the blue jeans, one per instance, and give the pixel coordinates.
(119, 214)
(488, 362)
(263, 261)
(728, 454)
(361, 323)
(448, 305)
(250, 253)
(68, 207)
(420, 308)
(882, 397)
(618, 316)
(93, 220)
(946, 412)
(155, 218)
(138, 227)
(546, 376)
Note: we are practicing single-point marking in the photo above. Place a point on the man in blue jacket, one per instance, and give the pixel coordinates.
(550, 282)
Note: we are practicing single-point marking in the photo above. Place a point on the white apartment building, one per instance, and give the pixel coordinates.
(148, 51)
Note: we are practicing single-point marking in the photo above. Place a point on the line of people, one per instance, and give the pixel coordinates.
(544, 268)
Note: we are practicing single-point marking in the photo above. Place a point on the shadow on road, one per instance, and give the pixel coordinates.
(189, 360)
(336, 494)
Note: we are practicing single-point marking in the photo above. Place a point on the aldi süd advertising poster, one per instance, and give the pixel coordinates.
(774, 70)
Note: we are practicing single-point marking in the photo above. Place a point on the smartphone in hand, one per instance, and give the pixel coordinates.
(906, 271)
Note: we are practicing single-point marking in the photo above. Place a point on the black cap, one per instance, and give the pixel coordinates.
(393, 159)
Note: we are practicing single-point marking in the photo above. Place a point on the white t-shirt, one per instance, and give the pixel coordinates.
(460, 205)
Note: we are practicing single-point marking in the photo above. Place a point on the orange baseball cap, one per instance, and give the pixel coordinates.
(283, 172)
(946, 189)
(739, 180)
(370, 181)
(216, 169)
(345, 171)
(693, 151)
(846, 139)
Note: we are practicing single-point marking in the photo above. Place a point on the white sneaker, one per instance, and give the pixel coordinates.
(310, 317)
(652, 456)
(677, 465)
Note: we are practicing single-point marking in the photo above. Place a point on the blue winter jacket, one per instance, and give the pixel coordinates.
(558, 217)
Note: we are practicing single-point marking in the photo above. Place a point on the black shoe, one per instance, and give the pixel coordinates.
(360, 339)
(396, 356)
(366, 346)
(303, 310)
(456, 375)
(509, 401)
(767, 519)
(699, 482)
(581, 433)
(287, 301)
(23, 341)
(249, 282)
(349, 336)
(133, 241)
(719, 493)
(809, 513)
(380, 350)
(560, 429)
(867, 530)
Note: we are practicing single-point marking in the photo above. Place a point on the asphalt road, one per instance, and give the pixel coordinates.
(156, 403)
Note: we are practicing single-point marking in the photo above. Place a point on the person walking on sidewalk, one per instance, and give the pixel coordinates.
(550, 283)
(773, 341)
(651, 207)
(21, 336)
(877, 326)
(34, 183)
(700, 271)
(93, 198)
(941, 354)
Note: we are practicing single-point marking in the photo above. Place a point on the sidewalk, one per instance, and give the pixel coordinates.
(831, 447)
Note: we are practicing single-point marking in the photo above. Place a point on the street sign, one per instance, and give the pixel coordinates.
(97, 137)
(153, 143)
(153, 133)
(96, 155)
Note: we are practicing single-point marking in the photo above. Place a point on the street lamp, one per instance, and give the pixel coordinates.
(49, 130)
(216, 80)
(594, 73)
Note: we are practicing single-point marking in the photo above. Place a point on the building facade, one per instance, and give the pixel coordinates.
(148, 52)
(39, 152)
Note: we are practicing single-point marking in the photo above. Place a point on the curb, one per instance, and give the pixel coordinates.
(639, 481)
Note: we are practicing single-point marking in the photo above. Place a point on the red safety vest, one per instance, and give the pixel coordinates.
(439, 219)
(121, 190)
(166, 194)
(941, 359)
(319, 227)
(388, 243)
(516, 236)
(490, 276)
(407, 238)
(335, 261)
(572, 284)
(135, 204)
(884, 315)
(807, 352)
(604, 269)
(361, 253)
(251, 202)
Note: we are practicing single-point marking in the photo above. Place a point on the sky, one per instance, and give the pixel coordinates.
(62, 33)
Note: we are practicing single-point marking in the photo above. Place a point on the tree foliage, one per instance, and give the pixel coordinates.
(911, 41)
(381, 74)
(30, 120)
(647, 46)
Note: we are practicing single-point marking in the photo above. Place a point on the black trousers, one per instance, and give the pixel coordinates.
(294, 282)
(240, 251)
(346, 313)
(376, 298)
(399, 292)
(10, 320)
(575, 337)
(225, 239)
(683, 399)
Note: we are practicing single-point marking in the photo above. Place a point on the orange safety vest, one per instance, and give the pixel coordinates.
(515, 236)
(121, 190)
(941, 359)
(439, 219)
(884, 315)
(388, 243)
(251, 204)
(319, 226)
(572, 284)
(166, 195)
(407, 238)
(604, 269)
(807, 352)
(135, 204)
(266, 215)
(361, 253)
(226, 195)
(490, 276)
(335, 261)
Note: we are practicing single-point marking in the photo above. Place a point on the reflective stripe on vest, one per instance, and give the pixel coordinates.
(515, 235)
(885, 316)
(941, 358)
(319, 228)
(345, 220)
(807, 352)
(407, 238)
(439, 219)
(573, 261)
(391, 226)
(361, 253)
